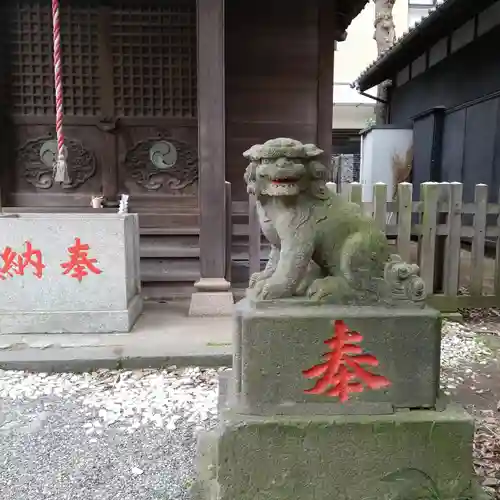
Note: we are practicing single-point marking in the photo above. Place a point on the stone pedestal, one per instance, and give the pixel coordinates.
(276, 440)
(69, 273)
(212, 298)
(331, 457)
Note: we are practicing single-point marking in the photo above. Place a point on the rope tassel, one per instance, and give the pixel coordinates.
(60, 165)
(61, 169)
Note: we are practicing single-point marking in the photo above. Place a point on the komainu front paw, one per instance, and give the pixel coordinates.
(267, 290)
(256, 278)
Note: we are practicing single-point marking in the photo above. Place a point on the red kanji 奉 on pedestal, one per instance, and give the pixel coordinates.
(80, 264)
(343, 365)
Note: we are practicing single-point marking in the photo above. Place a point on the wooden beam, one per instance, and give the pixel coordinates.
(326, 49)
(108, 153)
(211, 137)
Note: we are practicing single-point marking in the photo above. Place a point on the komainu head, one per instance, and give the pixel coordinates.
(285, 167)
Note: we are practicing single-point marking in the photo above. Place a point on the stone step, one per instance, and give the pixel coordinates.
(178, 270)
(154, 290)
(170, 260)
(159, 291)
(168, 249)
(169, 231)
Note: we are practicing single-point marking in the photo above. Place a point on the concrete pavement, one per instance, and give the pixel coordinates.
(163, 336)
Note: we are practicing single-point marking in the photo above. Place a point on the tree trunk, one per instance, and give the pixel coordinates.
(385, 37)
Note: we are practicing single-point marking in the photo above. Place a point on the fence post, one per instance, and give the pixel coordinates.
(332, 187)
(380, 205)
(478, 241)
(404, 198)
(453, 240)
(229, 231)
(253, 236)
(439, 255)
(355, 193)
(428, 230)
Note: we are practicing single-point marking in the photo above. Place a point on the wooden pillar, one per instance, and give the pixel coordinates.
(107, 122)
(326, 49)
(212, 296)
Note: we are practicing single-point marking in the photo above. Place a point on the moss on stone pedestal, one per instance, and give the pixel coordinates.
(325, 458)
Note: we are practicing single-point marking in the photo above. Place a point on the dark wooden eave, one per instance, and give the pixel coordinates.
(346, 11)
(442, 21)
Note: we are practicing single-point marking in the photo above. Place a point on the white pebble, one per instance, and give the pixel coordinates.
(133, 400)
(461, 348)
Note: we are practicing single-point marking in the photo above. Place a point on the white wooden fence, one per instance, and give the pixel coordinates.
(433, 232)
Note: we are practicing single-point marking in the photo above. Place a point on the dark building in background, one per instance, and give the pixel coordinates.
(445, 76)
(346, 155)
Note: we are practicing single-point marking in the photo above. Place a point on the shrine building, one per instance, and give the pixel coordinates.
(161, 98)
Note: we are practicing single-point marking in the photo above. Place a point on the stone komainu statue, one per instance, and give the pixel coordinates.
(322, 246)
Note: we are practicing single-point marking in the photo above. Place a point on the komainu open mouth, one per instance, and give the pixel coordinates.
(288, 180)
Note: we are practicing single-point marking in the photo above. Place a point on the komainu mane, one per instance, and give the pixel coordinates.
(322, 246)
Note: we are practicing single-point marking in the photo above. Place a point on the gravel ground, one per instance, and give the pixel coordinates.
(123, 435)
(103, 436)
(462, 353)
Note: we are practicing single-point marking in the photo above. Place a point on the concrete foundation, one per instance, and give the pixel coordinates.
(333, 457)
(69, 273)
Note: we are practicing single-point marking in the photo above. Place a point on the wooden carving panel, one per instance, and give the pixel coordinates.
(31, 57)
(162, 163)
(154, 60)
(36, 158)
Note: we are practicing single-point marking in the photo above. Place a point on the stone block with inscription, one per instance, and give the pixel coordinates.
(282, 349)
(69, 273)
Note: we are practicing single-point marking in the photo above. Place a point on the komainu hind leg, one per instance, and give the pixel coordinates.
(362, 261)
(332, 289)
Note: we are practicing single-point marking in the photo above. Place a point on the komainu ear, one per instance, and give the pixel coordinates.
(251, 173)
(254, 153)
(311, 150)
(318, 175)
(317, 170)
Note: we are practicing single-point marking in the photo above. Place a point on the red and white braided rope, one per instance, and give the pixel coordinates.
(61, 159)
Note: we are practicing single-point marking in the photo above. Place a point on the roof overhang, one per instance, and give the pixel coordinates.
(443, 20)
(345, 12)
